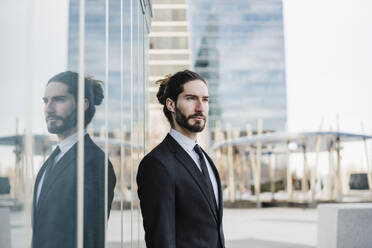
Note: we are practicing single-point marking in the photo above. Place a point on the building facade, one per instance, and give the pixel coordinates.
(239, 48)
(169, 53)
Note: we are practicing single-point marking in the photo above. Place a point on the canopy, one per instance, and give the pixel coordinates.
(309, 140)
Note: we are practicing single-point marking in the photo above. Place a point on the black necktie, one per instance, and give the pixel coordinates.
(205, 172)
(48, 169)
(51, 163)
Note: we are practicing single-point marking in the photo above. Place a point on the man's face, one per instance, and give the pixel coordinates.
(191, 109)
(59, 109)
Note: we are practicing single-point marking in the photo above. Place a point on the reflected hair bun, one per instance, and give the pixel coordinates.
(96, 89)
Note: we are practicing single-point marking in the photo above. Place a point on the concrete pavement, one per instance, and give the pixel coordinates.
(244, 228)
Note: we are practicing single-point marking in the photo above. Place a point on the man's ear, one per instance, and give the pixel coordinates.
(170, 105)
(86, 104)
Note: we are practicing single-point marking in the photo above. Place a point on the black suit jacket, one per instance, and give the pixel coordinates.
(54, 215)
(174, 200)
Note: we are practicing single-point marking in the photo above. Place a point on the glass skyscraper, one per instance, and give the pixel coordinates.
(238, 46)
(136, 27)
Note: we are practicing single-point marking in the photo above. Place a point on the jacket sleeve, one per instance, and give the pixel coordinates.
(94, 199)
(110, 187)
(157, 200)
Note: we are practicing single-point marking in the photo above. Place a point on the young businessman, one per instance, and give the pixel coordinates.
(178, 185)
(55, 191)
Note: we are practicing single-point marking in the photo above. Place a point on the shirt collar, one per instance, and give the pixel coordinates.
(67, 143)
(186, 143)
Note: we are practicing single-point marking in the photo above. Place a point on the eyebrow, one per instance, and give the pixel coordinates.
(195, 96)
(53, 97)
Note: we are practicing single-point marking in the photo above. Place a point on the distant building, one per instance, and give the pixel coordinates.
(169, 53)
(239, 47)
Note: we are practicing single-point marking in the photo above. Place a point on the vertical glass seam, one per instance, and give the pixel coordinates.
(80, 164)
(138, 131)
(122, 135)
(106, 114)
(131, 122)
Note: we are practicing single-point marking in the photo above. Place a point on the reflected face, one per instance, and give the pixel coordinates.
(59, 109)
(191, 109)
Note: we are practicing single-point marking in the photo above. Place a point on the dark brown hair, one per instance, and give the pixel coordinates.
(171, 86)
(93, 90)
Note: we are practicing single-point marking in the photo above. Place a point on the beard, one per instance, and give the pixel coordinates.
(183, 121)
(68, 122)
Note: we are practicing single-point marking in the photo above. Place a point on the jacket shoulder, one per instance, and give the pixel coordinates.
(92, 148)
(159, 158)
(161, 152)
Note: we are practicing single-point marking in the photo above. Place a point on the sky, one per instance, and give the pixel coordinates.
(33, 48)
(328, 62)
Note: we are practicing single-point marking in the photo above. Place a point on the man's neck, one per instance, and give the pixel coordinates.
(66, 134)
(187, 133)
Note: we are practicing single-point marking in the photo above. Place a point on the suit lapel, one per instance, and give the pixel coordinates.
(68, 159)
(60, 166)
(214, 172)
(37, 181)
(220, 200)
(189, 164)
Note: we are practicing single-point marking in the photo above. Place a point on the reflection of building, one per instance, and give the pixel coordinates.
(239, 48)
(136, 25)
(169, 53)
(135, 49)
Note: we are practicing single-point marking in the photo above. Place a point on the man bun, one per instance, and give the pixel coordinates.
(93, 90)
(161, 95)
(171, 86)
(98, 92)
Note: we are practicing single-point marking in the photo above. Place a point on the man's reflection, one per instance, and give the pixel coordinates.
(55, 191)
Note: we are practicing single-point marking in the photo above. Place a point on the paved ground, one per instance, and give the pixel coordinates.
(257, 228)
(254, 243)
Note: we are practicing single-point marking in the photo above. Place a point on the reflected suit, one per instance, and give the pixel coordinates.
(55, 212)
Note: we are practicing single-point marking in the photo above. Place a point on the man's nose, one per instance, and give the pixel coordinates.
(49, 108)
(200, 106)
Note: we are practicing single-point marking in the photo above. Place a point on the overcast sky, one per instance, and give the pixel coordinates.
(33, 48)
(328, 60)
(328, 65)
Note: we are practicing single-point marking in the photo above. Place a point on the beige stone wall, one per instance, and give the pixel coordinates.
(169, 53)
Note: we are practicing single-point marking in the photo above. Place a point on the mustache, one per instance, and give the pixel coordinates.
(54, 117)
(198, 114)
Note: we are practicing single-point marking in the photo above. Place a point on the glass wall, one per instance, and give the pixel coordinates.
(73, 140)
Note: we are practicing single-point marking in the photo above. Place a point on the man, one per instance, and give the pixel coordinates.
(55, 191)
(178, 185)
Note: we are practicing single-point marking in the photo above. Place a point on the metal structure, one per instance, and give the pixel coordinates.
(252, 148)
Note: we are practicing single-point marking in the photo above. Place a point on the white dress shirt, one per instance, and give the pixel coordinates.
(188, 145)
(64, 146)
